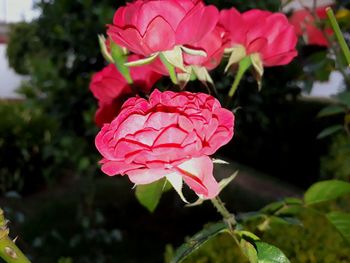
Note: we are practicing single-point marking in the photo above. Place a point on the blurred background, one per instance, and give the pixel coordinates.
(65, 210)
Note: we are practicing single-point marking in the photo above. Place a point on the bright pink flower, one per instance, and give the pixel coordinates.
(305, 25)
(213, 45)
(171, 135)
(268, 34)
(111, 89)
(149, 26)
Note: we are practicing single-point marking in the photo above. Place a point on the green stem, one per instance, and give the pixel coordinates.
(338, 34)
(228, 217)
(8, 249)
(10, 252)
(243, 66)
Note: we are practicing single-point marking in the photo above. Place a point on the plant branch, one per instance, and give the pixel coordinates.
(227, 216)
(8, 249)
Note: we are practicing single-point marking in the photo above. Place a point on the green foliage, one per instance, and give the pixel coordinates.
(23, 42)
(336, 164)
(24, 134)
(326, 191)
(307, 243)
(59, 51)
(341, 221)
(301, 243)
(270, 254)
(197, 241)
(221, 249)
(31, 154)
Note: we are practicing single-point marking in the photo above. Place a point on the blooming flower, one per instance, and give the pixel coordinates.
(148, 26)
(213, 44)
(305, 25)
(171, 135)
(111, 89)
(257, 32)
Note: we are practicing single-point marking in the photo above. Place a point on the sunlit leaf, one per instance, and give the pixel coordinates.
(325, 191)
(270, 254)
(249, 251)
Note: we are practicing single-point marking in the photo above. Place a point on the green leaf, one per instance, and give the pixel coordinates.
(270, 254)
(341, 221)
(338, 34)
(120, 58)
(331, 110)
(273, 207)
(285, 221)
(197, 241)
(149, 194)
(293, 201)
(249, 250)
(329, 131)
(325, 191)
(344, 98)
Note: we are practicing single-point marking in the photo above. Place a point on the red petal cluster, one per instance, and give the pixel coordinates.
(305, 25)
(263, 32)
(111, 89)
(147, 27)
(171, 133)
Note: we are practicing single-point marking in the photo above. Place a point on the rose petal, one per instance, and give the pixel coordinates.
(200, 21)
(159, 36)
(147, 176)
(198, 175)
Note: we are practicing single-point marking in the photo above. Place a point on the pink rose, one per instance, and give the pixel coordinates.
(111, 89)
(268, 34)
(213, 44)
(149, 26)
(305, 25)
(171, 135)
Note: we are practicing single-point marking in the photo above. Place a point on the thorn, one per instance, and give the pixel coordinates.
(9, 251)
(15, 239)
